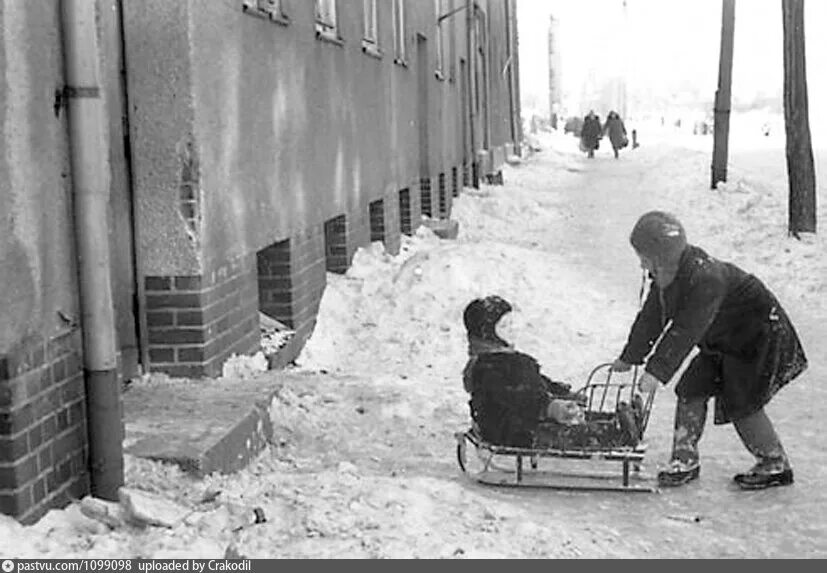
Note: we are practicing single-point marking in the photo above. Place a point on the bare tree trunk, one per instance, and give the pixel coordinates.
(720, 142)
(800, 169)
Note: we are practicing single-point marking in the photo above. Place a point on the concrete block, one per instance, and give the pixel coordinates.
(443, 228)
(199, 427)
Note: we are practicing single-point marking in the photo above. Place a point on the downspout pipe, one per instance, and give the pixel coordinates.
(90, 183)
(509, 70)
(472, 88)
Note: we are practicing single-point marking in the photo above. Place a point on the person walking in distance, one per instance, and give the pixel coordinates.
(616, 131)
(590, 134)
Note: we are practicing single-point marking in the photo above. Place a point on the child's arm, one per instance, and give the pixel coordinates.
(698, 311)
(645, 330)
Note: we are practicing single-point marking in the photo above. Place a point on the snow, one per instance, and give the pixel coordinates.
(364, 462)
(242, 366)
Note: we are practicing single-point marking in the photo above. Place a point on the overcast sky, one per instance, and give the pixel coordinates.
(664, 42)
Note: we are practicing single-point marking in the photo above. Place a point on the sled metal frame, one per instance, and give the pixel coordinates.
(600, 398)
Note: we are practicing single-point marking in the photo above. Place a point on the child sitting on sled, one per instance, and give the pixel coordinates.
(509, 395)
(513, 404)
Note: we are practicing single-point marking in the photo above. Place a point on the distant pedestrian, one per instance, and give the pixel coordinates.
(616, 131)
(590, 134)
(748, 349)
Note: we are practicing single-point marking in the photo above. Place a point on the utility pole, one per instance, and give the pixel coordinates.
(720, 146)
(624, 88)
(800, 169)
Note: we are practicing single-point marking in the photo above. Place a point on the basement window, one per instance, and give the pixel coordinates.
(376, 216)
(443, 198)
(335, 240)
(405, 225)
(276, 293)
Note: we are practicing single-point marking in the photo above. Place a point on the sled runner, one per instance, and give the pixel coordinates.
(565, 456)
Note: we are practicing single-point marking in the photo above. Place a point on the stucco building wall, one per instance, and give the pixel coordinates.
(249, 132)
(42, 412)
(36, 254)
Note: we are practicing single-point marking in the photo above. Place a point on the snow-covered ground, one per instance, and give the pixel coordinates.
(365, 465)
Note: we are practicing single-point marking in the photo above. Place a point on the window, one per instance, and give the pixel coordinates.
(452, 44)
(371, 35)
(399, 32)
(326, 17)
(438, 39)
(268, 9)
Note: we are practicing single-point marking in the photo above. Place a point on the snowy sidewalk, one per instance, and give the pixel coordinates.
(364, 465)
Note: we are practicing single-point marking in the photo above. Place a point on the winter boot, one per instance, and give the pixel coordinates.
(678, 473)
(759, 437)
(690, 418)
(762, 479)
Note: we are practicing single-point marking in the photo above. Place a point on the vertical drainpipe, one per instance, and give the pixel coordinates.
(472, 91)
(515, 69)
(90, 183)
(509, 58)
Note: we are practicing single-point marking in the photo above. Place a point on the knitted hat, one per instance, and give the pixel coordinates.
(659, 236)
(482, 314)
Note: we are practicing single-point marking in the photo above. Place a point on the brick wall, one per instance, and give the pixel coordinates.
(196, 322)
(43, 440)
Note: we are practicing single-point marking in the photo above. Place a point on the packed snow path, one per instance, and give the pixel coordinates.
(366, 467)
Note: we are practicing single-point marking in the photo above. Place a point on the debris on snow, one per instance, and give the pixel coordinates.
(274, 334)
(143, 508)
(685, 518)
(242, 366)
(443, 228)
(109, 513)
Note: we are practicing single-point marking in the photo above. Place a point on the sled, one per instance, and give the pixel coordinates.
(555, 462)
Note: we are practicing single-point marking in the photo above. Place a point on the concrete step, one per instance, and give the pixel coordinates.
(204, 426)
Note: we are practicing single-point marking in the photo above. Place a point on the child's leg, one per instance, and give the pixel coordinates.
(690, 418)
(759, 437)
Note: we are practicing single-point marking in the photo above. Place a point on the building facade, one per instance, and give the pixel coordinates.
(251, 148)
(555, 71)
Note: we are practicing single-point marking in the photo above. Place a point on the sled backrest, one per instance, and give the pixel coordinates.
(605, 390)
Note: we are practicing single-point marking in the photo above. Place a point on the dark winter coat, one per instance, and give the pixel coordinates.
(616, 131)
(591, 132)
(748, 346)
(508, 397)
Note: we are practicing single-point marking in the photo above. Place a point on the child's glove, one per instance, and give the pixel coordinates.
(648, 383)
(620, 366)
